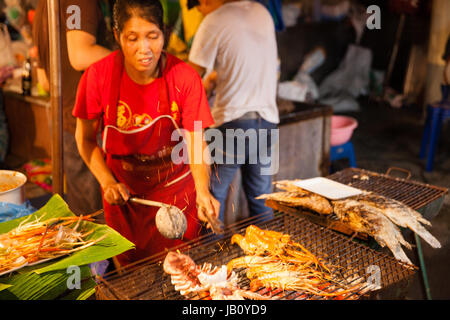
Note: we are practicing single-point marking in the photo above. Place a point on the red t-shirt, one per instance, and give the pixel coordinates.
(138, 104)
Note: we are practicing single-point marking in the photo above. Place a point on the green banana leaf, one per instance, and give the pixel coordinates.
(4, 286)
(87, 290)
(48, 280)
(49, 286)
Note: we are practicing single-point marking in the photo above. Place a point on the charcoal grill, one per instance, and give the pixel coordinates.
(146, 279)
(425, 198)
(422, 197)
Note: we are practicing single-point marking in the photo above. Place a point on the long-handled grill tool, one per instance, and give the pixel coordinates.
(170, 220)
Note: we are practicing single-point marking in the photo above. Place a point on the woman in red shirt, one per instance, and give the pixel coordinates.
(141, 95)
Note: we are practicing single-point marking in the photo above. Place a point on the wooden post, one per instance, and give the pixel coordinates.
(56, 95)
(439, 32)
(393, 58)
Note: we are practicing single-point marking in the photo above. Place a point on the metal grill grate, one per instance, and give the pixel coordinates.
(147, 280)
(414, 194)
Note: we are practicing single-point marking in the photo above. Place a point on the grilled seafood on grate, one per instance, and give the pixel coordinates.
(368, 213)
(273, 260)
(366, 219)
(400, 214)
(297, 197)
(187, 277)
(248, 261)
(380, 217)
(258, 242)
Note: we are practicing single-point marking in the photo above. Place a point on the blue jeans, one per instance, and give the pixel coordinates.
(248, 160)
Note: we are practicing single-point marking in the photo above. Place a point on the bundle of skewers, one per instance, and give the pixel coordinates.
(35, 241)
(274, 261)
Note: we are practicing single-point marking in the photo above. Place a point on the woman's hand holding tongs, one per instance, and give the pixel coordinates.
(208, 211)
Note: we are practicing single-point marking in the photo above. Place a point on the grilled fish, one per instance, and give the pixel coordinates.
(298, 197)
(381, 202)
(288, 185)
(311, 201)
(366, 219)
(369, 213)
(400, 214)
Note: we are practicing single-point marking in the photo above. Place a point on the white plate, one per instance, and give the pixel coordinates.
(30, 264)
(328, 188)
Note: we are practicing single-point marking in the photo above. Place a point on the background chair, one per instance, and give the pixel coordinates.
(437, 114)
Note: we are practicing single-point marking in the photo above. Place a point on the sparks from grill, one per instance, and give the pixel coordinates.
(35, 241)
(205, 280)
(273, 260)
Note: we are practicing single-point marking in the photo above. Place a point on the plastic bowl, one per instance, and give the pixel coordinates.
(342, 129)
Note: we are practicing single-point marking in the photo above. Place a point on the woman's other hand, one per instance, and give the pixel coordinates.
(207, 204)
(116, 194)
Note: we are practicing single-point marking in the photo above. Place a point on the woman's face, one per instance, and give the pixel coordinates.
(142, 43)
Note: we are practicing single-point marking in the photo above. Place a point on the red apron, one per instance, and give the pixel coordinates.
(141, 159)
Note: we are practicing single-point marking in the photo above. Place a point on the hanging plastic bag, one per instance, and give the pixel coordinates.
(302, 89)
(351, 79)
(6, 58)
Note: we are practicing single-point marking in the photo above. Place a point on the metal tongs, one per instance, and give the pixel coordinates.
(150, 203)
(216, 224)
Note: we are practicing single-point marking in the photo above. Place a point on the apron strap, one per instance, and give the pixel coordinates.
(114, 89)
(163, 89)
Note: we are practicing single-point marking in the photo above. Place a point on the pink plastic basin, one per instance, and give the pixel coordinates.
(342, 129)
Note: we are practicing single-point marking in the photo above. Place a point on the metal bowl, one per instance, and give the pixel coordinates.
(12, 186)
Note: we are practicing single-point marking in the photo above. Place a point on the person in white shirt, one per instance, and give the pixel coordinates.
(236, 40)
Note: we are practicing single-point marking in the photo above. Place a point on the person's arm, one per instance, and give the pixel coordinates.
(201, 173)
(447, 72)
(201, 71)
(42, 79)
(6, 72)
(85, 136)
(83, 49)
(209, 82)
(446, 58)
